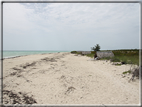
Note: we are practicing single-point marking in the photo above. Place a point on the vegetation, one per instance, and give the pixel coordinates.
(90, 55)
(93, 52)
(124, 56)
(96, 48)
(127, 72)
(118, 64)
(75, 52)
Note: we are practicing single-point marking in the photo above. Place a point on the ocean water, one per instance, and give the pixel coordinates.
(7, 54)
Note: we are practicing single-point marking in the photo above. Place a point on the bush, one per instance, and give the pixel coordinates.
(79, 53)
(118, 64)
(74, 52)
(90, 55)
(127, 72)
(126, 52)
(93, 52)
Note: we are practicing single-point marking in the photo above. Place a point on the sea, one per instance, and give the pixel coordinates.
(8, 54)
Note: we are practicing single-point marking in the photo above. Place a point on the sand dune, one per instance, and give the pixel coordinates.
(64, 78)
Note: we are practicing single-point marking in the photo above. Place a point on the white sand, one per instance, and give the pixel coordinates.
(68, 79)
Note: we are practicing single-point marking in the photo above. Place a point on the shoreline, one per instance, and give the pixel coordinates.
(24, 53)
(64, 78)
(11, 57)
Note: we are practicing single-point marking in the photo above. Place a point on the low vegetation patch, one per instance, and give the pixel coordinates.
(90, 55)
(118, 64)
(123, 56)
(74, 52)
(127, 72)
(131, 52)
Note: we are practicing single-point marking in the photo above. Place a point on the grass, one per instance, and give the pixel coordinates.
(90, 55)
(124, 59)
(118, 64)
(127, 72)
(124, 56)
(75, 52)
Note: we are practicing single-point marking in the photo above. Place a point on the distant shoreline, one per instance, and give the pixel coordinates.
(13, 54)
(11, 57)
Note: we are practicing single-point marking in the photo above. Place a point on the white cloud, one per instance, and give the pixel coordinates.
(71, 26)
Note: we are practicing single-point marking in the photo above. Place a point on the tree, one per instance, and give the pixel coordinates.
(96, 48)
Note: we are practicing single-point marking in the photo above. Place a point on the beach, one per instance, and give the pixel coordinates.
(65, 78)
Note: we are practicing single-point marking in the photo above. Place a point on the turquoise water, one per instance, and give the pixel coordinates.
(7, 54)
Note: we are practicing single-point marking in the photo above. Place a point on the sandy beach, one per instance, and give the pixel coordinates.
(65, 78)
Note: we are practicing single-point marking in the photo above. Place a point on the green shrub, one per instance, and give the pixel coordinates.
(74, 52)
(126, 52)
(127, 72)
(90, 55)
(93, 52)
(79, 53)
(125, 56)
(118, 64)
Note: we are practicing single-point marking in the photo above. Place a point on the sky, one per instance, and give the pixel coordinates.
(71, 26)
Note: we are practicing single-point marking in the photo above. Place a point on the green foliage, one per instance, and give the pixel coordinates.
(106, 58)
(124, 56)
(74, 52)
(127, 72)
(90, 55)
(79, 53)
(93, 52)
(124, 59)
(118, 64)
(126, 52)
(96, 48)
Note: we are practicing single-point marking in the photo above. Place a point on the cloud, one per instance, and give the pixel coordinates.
(71, 26)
